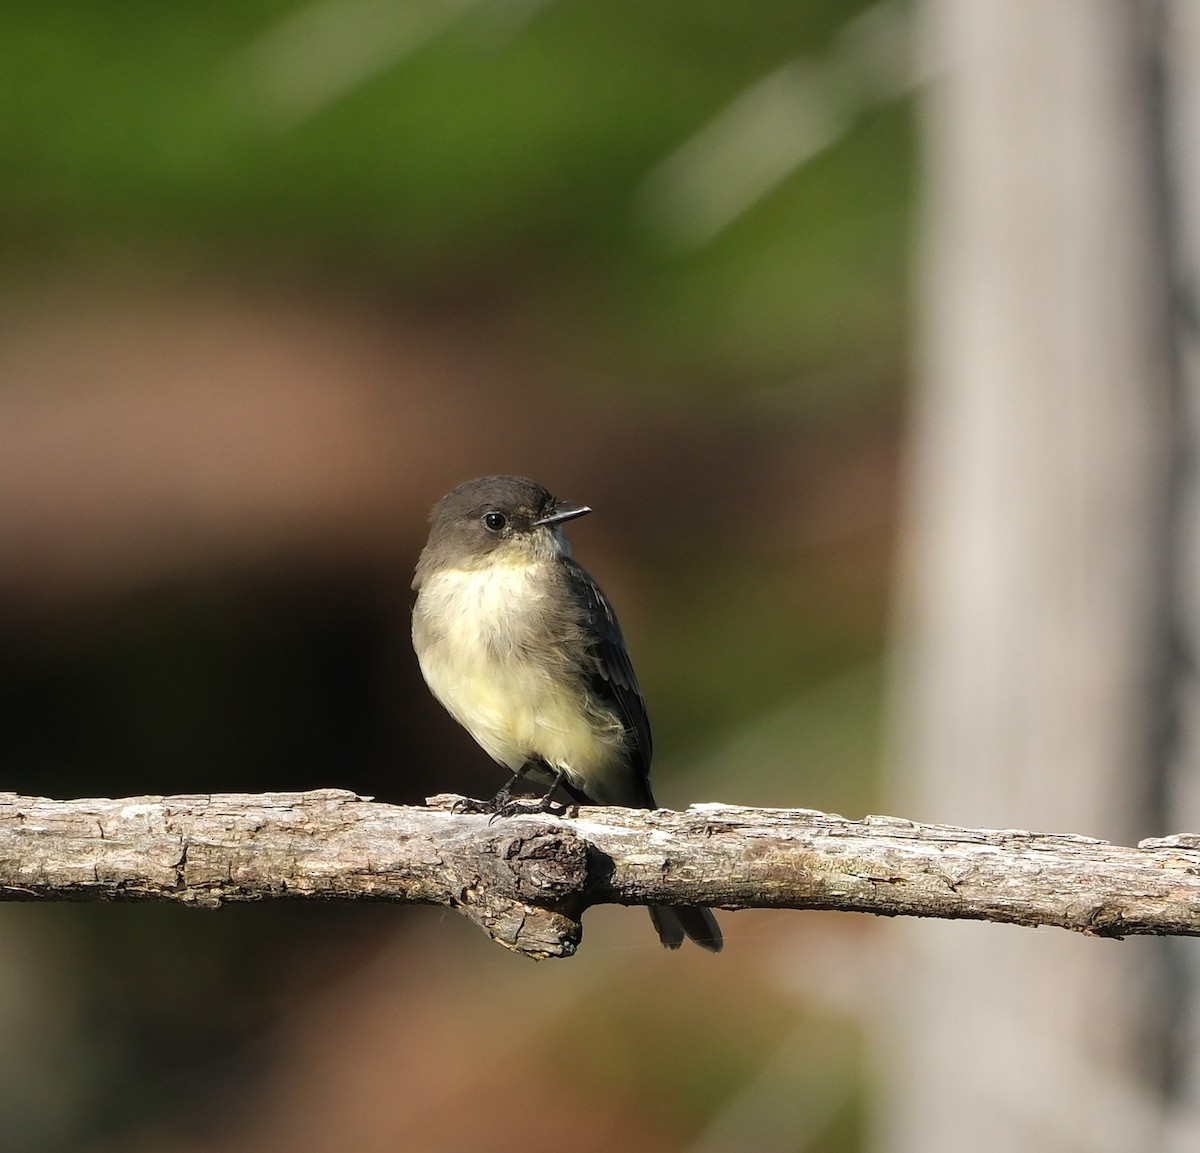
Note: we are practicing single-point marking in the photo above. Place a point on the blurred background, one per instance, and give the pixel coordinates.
(867, 328)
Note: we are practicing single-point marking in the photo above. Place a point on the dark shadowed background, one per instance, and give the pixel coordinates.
(276, 276)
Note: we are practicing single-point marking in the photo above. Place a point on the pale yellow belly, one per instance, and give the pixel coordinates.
(517, 713)
(514, 708)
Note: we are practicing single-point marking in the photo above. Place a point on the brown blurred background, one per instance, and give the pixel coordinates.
(277, 275)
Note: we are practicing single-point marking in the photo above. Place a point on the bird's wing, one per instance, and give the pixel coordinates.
(611, 673)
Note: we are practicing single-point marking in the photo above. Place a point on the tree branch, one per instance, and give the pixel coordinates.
(526, 880)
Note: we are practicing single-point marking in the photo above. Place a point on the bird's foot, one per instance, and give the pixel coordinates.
(501, 805)
(530, 806)
(471, 805)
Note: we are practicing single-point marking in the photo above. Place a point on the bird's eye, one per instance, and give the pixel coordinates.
(495, 521)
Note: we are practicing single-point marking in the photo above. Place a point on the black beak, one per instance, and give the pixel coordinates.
(561, 511)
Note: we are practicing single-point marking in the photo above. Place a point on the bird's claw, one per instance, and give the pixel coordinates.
(524, 806)
(471, 805)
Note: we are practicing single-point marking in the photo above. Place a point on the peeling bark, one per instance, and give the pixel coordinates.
(526, 880)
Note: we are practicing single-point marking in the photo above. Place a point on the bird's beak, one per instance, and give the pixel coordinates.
(563, 510)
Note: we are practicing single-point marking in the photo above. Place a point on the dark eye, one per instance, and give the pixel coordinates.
(495, 521)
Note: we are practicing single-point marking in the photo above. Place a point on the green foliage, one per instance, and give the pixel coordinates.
(499, 143)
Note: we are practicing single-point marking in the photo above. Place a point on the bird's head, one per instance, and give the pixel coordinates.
(509, 520)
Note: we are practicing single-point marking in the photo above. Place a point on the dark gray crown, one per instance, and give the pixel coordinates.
(509, 494)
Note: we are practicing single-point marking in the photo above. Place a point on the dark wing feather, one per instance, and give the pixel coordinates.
(611, 674)
(612, 679)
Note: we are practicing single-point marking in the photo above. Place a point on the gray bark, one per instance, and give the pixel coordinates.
(527, 879)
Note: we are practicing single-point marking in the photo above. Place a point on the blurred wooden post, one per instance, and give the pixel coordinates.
(1031, 625)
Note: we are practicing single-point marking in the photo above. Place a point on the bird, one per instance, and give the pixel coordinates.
(522, 648)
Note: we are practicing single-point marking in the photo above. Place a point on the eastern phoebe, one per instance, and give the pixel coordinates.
(524, 651)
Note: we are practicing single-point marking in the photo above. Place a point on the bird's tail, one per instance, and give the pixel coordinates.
(674, 922)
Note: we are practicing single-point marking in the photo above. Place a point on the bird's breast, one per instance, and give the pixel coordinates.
(498, 652)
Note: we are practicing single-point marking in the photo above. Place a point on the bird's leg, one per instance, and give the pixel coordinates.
(545, 804)
(498, 802)
(503, 797)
